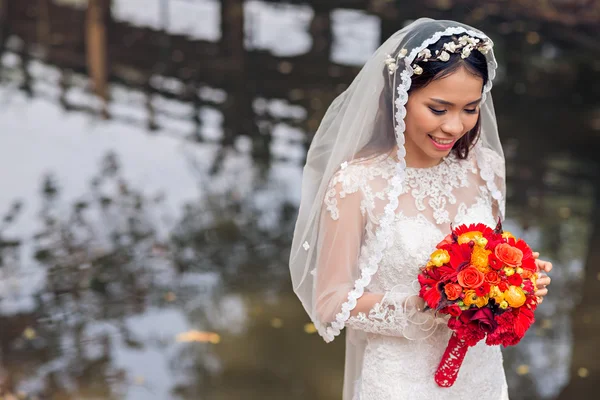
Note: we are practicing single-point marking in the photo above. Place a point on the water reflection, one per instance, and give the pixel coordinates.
(145, 240)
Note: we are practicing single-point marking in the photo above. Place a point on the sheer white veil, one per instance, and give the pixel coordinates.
(348, 126)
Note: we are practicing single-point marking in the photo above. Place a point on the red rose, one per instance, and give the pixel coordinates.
(494, 262)
(483, 290)
(492, 278)
(483, 317)
(515, 280)
(453, 310)
(452, 291)
(503, 286)
(509, 255)
(470, 278)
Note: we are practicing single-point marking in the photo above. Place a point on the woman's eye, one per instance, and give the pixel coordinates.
(437, 112)
(472, 111)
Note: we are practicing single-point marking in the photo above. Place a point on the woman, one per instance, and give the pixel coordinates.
(409, 148)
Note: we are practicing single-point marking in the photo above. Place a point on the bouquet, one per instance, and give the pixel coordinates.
(485, 280)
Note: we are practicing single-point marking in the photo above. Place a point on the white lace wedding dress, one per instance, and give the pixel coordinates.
(382, 363)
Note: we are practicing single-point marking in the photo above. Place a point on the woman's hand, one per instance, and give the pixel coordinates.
(543, 280)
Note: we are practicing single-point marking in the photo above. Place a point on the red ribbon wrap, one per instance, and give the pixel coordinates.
(452, 359)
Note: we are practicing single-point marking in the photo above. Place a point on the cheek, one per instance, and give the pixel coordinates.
(470, 121)
(421, 121)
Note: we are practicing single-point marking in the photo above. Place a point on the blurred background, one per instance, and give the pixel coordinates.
(151, 153)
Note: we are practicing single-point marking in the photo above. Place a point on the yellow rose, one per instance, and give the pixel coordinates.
(481, 242)
(503, 305)
(481, 301)
(440, 257)
(467, 237)
(471, 298)
(508, 235)
(509, 271)
(480, 260)
(496, 294)
(515, 296)
(519, 270)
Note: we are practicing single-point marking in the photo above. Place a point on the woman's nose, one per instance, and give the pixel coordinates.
(453, 125)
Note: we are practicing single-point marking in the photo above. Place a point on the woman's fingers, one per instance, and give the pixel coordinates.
(545, 266)
(543, 281)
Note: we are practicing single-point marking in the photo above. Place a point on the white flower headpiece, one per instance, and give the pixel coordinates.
(463, 45)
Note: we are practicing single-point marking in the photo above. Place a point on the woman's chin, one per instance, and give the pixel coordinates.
(438, 155)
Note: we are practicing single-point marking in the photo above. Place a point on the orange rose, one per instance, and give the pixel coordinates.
(509, 255)
(452, 291)
(492, 278)
(470, 278)
(515, 296)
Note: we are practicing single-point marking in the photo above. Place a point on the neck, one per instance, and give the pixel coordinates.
(415, 160)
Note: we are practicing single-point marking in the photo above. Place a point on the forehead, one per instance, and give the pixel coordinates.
(461, 86)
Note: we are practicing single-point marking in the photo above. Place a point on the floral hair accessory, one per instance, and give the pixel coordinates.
(391, 61)
(463, 45)
(391, 64)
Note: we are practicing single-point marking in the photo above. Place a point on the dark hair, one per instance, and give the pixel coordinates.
(475, 63)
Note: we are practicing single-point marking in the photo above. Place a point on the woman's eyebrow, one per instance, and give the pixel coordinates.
(447, 103)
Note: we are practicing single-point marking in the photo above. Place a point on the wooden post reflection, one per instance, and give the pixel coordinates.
(232, 47)
(97, 15)
(321, 33)
(43, 22)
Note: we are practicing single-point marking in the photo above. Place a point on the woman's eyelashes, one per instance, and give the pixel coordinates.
(436, 111)
(442, 112)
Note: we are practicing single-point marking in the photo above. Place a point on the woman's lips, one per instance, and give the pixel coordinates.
(441, 147)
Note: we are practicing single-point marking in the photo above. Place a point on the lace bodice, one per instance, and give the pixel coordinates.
(395, 367)
(432, 198)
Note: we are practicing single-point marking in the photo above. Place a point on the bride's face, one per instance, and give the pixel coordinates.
(439, 114)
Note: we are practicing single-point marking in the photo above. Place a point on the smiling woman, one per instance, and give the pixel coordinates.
(440, 116)
(410, 148)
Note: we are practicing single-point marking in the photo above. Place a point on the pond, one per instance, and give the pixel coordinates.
(144, 244)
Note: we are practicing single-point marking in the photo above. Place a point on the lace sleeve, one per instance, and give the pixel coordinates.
(342, 227)
(397, 312)
(400, 313)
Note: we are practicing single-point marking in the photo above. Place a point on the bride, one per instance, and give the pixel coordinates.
(409, 148)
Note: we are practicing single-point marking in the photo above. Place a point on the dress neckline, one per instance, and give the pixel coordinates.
(446, 161)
